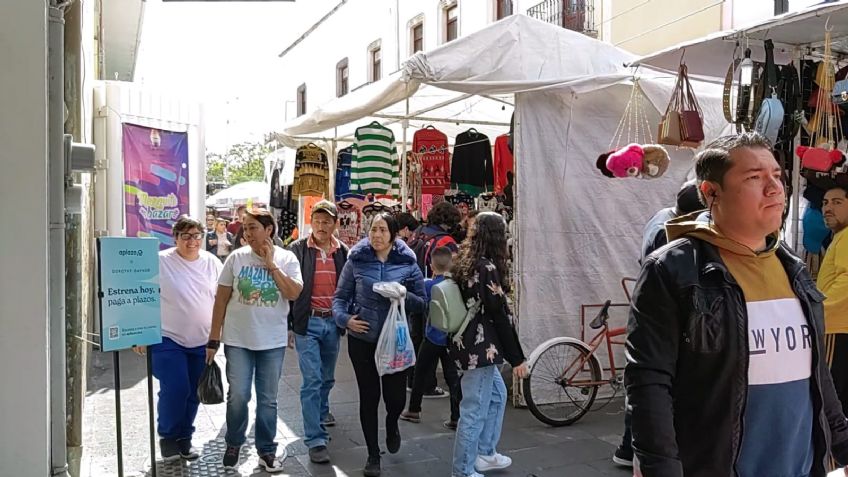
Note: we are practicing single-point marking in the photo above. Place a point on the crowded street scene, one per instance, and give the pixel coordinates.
(414, 238)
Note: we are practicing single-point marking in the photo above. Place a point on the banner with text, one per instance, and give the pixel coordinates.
(156, 189)
(128, 273)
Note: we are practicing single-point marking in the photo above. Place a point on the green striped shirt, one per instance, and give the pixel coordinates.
(374, 164)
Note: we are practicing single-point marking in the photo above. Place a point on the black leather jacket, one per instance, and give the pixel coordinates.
(687, 364)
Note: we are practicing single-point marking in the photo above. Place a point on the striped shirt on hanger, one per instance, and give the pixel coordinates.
(374, 163)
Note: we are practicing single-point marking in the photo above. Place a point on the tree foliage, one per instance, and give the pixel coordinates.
(241, 163)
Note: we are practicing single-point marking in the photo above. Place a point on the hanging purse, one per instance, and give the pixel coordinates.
(682, 123)
(770, 116)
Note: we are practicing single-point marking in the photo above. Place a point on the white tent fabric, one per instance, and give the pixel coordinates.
(578, 232)
(710, 56)
(240, 193)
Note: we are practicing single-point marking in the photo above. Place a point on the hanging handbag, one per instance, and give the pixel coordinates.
(770, 115)
(682, 124)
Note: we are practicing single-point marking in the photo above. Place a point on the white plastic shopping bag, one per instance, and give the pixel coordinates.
(395, 351)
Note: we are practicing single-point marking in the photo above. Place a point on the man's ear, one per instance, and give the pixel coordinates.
(710, 191)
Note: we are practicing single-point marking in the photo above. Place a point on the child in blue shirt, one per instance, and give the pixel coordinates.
(434, 349)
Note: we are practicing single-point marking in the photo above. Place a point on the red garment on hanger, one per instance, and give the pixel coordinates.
(432, 146)
(504, 161)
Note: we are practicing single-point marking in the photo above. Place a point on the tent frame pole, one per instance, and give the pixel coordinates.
(403, 175)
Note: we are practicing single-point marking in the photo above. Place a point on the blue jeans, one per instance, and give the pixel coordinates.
(241, 365)
(178, 370)
(481, 415)
(318, 351)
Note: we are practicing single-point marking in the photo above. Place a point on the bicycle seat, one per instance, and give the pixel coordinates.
(602, 317)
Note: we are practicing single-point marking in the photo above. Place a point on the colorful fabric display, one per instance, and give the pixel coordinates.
(431, 146)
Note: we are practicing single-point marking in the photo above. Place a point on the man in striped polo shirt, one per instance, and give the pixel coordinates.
(316, 336)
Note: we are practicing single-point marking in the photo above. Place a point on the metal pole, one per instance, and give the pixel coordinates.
(150, 412)
(403, 182)
(56, 255)
(796, 184)
(116, 365)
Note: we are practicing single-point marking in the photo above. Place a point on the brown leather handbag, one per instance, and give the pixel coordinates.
(682, 124)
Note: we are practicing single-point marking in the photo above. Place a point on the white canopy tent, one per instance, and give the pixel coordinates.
(795, 35)
(578, 232)
(241, 193)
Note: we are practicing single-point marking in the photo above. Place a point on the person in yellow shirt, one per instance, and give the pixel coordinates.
(833, 282)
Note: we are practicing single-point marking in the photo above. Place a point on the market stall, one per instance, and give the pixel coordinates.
(808, 49)
(577, 230)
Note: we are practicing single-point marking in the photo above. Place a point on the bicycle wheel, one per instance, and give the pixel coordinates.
(558, 392)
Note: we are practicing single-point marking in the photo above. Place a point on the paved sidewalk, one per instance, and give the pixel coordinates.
(581, 450)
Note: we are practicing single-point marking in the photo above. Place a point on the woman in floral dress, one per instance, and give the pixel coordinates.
(488, 341)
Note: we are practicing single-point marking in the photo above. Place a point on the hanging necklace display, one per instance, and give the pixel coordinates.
(824, 128)
(632, 152)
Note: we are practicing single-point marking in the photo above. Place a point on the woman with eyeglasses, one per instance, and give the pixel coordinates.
(250, 318)
(187, 279)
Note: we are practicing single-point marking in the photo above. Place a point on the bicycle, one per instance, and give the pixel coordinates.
(565, 372)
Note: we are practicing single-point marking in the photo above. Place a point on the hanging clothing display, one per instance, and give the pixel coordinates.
(311, 172)
(368, 213)
(350, 218)
(503, 161)
(471, 167)
(414, 181)
(431, 146)
(287, 224)
(375, 167)
(488, 203)
(343, 162)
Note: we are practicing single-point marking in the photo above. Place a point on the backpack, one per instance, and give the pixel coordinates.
(423, 245)
(448, 312)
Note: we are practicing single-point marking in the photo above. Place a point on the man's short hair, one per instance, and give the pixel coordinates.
(407, 220)
(441, 259)
(841, 187)
(714, 161)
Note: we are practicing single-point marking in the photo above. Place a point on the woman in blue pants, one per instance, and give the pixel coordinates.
(188, 276)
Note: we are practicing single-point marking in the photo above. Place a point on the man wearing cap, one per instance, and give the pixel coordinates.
(322, 257)
(653, 236)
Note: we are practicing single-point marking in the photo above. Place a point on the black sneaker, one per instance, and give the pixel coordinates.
(231, 457)
(436, 393)
(186, 450)
(169, 449)
(393, 440)
(623, 456)
(450, 425)
(319, 455)
(271, 464)
(372, 467)
(330, 420)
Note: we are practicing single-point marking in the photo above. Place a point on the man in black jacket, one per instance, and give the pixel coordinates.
(316, 336)
(725, 366)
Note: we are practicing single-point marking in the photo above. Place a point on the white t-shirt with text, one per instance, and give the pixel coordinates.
(257, 314)
(187, 296)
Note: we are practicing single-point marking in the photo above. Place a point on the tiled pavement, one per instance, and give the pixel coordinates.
(581, 450)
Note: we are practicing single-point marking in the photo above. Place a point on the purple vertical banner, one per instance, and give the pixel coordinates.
(155, 181)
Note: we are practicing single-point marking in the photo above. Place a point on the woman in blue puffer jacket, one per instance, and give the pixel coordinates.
(379, 258)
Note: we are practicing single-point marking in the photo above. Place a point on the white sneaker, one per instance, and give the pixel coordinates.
(497, 461)
(473, 474)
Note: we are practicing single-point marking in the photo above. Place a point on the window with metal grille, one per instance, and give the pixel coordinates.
(781, 7)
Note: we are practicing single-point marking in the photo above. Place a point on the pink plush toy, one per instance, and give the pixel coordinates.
(627, 161)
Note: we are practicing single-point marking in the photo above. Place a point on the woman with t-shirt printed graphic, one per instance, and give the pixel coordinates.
(187, 278)
(251, 309)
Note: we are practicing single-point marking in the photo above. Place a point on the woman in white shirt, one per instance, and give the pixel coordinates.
(187, 278)
(250, 318)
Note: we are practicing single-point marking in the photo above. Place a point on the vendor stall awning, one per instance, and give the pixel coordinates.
(711, 55)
